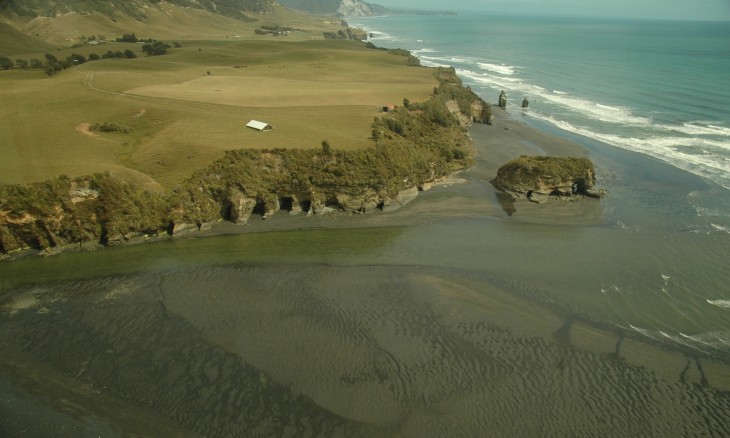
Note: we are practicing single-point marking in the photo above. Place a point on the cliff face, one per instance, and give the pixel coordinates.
(354, 8)
(342, 8)
(413, 146)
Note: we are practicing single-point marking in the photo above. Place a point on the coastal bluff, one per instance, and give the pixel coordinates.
(537, 178)
(413, 147)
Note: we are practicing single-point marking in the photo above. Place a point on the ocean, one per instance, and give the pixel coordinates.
(448, 317)
(659, 89)
(654, 87)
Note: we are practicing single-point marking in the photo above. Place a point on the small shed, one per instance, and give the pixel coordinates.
(388, 108)
(259, 126)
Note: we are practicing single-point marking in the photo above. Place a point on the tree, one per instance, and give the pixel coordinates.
(94, 57)
(21, 63)
(326, 148)
(51, 68)
(155, 48)
(51, 58)
(5, 63)
(109, 54)
(129, 54)
(128, 38)
(36, 63)
(76, 59)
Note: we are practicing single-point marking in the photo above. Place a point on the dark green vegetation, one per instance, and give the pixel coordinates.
(541, 175)
(110, 127)
(412, 145)
(412, 60)
(53, 65)
(532, 168)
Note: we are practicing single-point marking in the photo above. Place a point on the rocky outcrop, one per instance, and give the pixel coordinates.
(502, 99)
(354, 8)
(538, 177)
(413, 147)
(240, 207)
(402, 198)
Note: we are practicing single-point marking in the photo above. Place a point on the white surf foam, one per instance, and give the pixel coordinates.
(723, 304)
(700, 128)
(595, 110)
(672, 150)
(502, 69)
(716, 340)
(720, 228)
(382, 36)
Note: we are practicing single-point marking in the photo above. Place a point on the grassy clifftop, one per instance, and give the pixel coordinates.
(413, 145)
(184, 158)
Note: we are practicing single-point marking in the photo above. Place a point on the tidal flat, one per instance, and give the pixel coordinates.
(452, 316)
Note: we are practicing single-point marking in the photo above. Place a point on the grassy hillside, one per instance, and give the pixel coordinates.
(181, 117)
(163, 21)
(314, 6)
(133, 8)
(14, 42)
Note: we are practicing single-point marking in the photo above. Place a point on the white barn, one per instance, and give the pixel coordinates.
(259, 126)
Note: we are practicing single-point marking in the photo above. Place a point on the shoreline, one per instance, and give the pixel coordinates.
(466, 193)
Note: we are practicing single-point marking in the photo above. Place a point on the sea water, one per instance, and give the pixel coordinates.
(457, 320)
(659, 88)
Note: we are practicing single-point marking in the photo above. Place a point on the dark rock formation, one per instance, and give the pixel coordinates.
(525, 102)
(536, 178)
(502, 99)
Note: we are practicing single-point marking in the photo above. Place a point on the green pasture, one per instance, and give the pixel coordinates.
(187, 107)
(167, 22)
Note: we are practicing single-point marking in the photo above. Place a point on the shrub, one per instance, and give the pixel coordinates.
(110, 127)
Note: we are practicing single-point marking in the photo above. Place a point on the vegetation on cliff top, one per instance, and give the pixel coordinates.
(412, 145)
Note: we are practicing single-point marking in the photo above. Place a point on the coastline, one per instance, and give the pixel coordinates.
(464, 194)
(467, 194)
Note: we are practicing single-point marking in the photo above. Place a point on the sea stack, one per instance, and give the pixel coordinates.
(537, 177)
(502, 99)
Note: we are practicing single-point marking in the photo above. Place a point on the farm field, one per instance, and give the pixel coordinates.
(186, 108)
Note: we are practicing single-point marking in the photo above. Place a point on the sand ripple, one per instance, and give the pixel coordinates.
(360, 351)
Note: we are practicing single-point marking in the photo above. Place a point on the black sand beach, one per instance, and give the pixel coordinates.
(443, 318)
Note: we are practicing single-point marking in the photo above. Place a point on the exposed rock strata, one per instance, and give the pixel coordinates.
(413, 147)
(536, 178)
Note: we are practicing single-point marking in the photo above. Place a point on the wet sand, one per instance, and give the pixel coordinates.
(308, 350)
(471, 195)
(303, 347)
